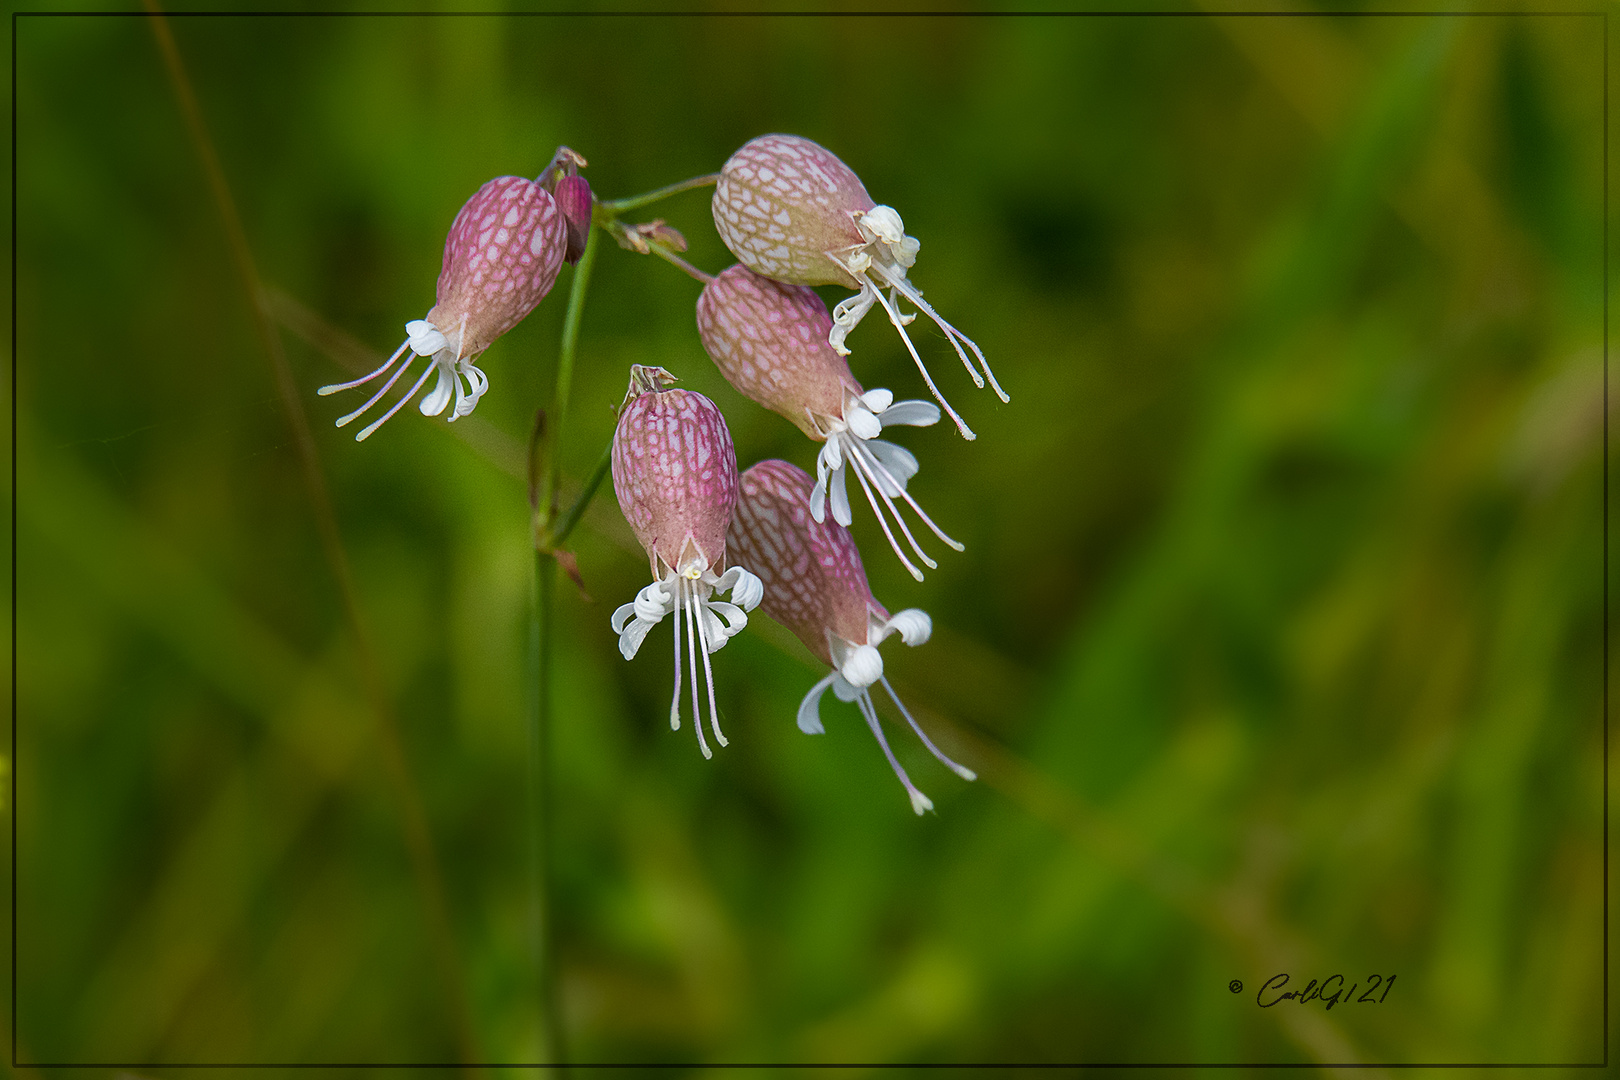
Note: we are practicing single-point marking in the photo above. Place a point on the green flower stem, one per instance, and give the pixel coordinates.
(542, 923)
(675, 260)
(542, 640)
(636, 202)
(558, 534)
(548, 532)
(546, 508)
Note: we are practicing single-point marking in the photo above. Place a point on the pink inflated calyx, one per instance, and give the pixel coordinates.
(500, 260)
(675, 475)
(790, 210)
(769, 340)
(813, 583)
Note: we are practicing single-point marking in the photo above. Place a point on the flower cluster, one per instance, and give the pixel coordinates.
(794, 216)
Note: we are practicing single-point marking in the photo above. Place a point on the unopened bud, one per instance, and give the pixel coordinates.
(574, 199)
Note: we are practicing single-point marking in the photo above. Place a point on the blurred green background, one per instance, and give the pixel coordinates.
(1277, 643)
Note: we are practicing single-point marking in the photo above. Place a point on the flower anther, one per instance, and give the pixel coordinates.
(814, 584)
(789, 209)
(500, 259)
(675, 474)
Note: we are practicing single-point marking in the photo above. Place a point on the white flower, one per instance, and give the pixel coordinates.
(858, 667)
(882, 263)
(709, 622)
(444, 353)
(881, 467)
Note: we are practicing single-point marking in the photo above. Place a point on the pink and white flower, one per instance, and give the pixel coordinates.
(500, 259)
(770, 342)
(675, 473)
(790, 210)
(813, 583)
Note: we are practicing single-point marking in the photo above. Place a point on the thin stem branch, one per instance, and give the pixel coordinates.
(636, 202)
(542, 640)
(558, 533)
(418, 834)
(542, 921)
(670, 257)
(567, 352)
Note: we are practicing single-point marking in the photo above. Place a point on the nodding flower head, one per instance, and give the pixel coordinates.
(675, 473)
(500, 260)
(770, 342)
(790, 210)
(814, 584)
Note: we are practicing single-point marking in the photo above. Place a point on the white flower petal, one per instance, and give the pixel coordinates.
(736, 619)
(621, 616)
(477, 386)
(653, 603)
(913, 625)
(899, 462)
(878, 400)
(849, 312)
(840, 499)
(713, 629)
(906, 253)
(748, 590)
(912, 413)
(831, 458)
(810, 708)
(424, 338)
(843, 691)
(863, 666)
(434, 403)
(862, 422)
(631, 639)
(884, 223)
(818, 501)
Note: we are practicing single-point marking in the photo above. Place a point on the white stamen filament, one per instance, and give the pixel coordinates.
(375, 424)
(960, 770)
(335, 387)
(387, 386)
(675, 702)
(708, 672)
(683, 601)
(874, 468)
(843, 447)
(424, 339)
(894, 317)
(910, 292)
(919, 802)
(882, 263)
(893, 543)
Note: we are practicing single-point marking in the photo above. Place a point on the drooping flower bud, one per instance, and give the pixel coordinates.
(675, 473)
(770, 342)
(500, 259)
(814, 584)
(574, 199)
(790, 210)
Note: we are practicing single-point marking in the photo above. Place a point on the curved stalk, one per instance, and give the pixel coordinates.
(552, 1048)
(675, 260)
(636, 202)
